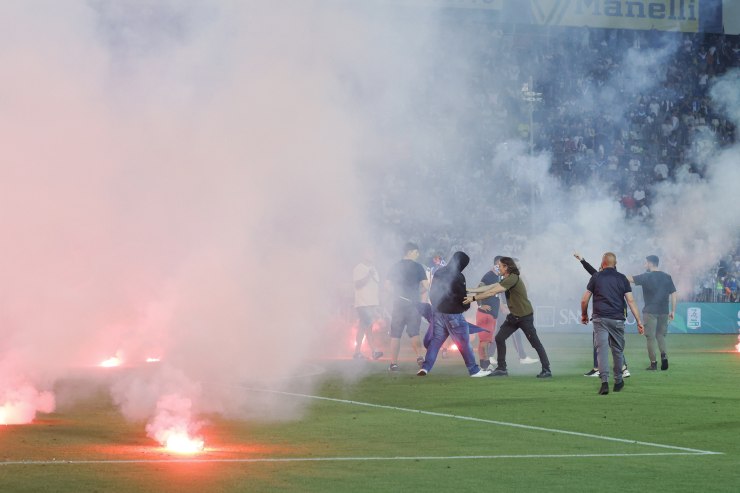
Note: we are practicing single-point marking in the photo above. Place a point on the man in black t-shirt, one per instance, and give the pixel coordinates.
(657, 290)
(610, 289)
(408, 279)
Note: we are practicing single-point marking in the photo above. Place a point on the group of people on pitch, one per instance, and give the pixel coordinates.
(611, 292)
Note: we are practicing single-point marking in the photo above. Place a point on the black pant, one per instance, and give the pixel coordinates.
(510, 325)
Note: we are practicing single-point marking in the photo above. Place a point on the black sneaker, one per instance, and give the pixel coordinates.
(618, 386)
(663, 363)
(377, 355)
(604, 388)
(420, 361)
(499, 372)
(545, 373)
(653, 366)
(393, 367)
(593, 372)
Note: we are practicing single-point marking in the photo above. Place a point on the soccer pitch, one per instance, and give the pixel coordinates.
(666, 431)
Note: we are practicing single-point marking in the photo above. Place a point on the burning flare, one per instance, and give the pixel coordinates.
(113, 362)
(110, 362)
(180, 442)
(174, 427)
(21, 404)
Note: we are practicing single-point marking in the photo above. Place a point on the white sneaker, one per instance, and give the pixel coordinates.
(481, 373)
(528, 360)
(625, 372)
(421, 373)
(492, 360)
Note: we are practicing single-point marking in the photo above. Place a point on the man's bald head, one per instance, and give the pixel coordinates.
(608, 260)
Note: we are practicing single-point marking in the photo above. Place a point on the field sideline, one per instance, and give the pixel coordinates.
(667, 431)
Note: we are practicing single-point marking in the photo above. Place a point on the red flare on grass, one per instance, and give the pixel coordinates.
(111, 362)
(20, 405)
(174, 426)
(116, 360)
(180, 442)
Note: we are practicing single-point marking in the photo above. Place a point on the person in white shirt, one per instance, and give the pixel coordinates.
(367, 302)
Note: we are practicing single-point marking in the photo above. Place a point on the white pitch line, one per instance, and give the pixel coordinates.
(325, 459)
(491, 421)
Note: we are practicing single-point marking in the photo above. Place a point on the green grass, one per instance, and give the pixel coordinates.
(696, 404)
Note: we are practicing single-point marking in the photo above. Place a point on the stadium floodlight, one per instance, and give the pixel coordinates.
(531, 98)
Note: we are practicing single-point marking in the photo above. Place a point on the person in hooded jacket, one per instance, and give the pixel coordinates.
(446, 295)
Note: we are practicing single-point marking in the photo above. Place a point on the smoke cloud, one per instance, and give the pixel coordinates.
(193, 181)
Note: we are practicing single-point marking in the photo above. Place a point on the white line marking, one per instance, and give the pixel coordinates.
(326, 459)
(490, 421)
(684, 450)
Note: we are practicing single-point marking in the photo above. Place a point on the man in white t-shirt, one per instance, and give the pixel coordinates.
(367, 301)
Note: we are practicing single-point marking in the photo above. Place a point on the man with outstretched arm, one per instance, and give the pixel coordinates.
(521, 315)
(594, 371)
(610, 289)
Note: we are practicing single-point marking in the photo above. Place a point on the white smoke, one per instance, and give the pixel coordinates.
(191, 181)
(182, 183)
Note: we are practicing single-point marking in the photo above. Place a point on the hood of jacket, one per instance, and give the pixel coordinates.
(459, 261)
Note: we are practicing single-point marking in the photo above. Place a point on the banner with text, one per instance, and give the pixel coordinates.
(662, 15)
(691, 318)
(731, 16)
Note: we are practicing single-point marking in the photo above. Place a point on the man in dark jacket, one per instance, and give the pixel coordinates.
(594, 372)
(610, 289)
(446, 294)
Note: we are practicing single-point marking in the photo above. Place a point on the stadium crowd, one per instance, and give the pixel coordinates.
(625, 108)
